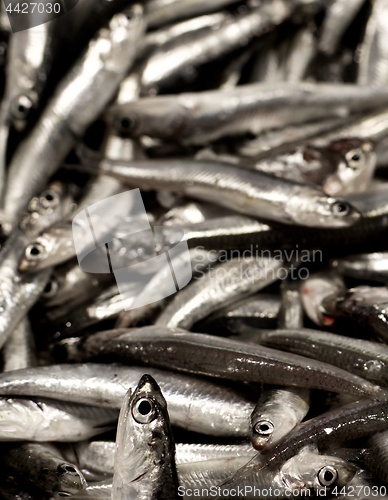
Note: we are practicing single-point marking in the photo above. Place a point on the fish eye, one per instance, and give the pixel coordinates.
(144, 411)
(34, 251)
(264, 427)
(67, 469)
(51, 289)
(49, 199)
(341, 208)
(21, 107)
(327, 476)
(127, 124)
(354, 158)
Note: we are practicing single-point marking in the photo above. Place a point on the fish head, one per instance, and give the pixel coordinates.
(319, 294)
(265, 429)
(46, 249)
(310, 470)
(70, 479)
(35, 253)
(312, 209)
(155, 117)
(144, 442)
(355, 169)
(44, 209)
(150, 418)
(20, 109)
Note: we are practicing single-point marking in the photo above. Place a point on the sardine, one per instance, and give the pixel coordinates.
(319, 293)
(180, 64)
(277, 412)
(373, 69)
(305, 471)
(222, 357)
(338, 17)
(97, 457)
(47, 420)
(361, 357)
(197, 118)
(226, 283)
(366, 266)
(376, 456)
(195, 404)
(249, 192)
(144, 465)
(355, 420)
(41, 466)
(70, 112)
(19, 350)
(367, 305)
(30, 58)
(260, 311)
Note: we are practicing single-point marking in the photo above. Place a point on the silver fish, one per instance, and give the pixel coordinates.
(96, 76)
(229, 359)
(307, 470)
(197, 118)
(144, 465)
(229, 281)
(47, 420)
(302, 50)
(195, 404)
(249, 192)
(361, 357)
(347, 422)
(41, 466)
(373, 69)
(277, 412)
(366, 266)
(260, 311)
(166, 68)
(164, 35)
(319, 294)
(97, 457)
(30, 59)
(338, 17)
(19, 350)
(369, 306)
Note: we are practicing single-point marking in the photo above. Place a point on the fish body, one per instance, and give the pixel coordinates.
(246, 191)
(194, 403)
(222, 357)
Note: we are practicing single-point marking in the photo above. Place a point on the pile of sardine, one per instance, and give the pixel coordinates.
(194, 252)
